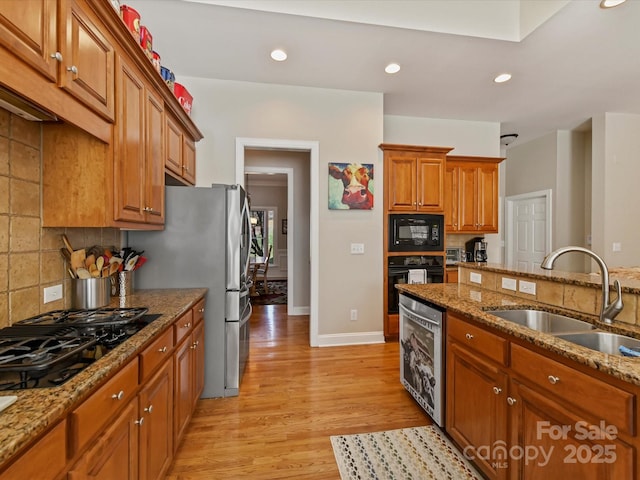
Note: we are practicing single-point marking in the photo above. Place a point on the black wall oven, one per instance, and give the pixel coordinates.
(399, 269)
(416, 232)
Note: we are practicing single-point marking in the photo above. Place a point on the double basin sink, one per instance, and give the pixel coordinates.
(572, 330)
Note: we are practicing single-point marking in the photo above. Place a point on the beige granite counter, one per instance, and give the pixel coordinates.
(38, 408)
(473, 301)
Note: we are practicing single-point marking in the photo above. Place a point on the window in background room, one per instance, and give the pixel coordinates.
(263, 230)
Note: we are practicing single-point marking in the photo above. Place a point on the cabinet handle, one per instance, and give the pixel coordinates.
(162, 350)
(57, 56)
(497, 390)
(139, 422)
(553, 379)
(194, 345)
(148, 209)
(187, 325)
(118, 396)
(201, 310)
(511, 401)
(73, 69)
(149, 409)
(468, 336)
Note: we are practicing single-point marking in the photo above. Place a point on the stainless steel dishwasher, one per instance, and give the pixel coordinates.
(422, 354)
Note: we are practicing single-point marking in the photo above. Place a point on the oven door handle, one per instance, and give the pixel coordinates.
(413, 314)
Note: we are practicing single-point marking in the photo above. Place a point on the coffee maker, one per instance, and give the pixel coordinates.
(477, 247)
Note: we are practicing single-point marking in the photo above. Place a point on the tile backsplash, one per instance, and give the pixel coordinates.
(30, 258)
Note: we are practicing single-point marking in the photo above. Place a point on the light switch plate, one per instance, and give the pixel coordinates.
(528, 287)
(509, 283)
(51, 294)
(357, 249)
(475, 277)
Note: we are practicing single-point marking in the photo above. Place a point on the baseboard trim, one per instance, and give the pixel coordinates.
(299, 311)
(342, 339)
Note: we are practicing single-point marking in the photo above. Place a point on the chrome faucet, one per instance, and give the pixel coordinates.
(608, 311)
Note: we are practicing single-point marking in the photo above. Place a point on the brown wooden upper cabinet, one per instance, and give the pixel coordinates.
(414, 177)
(60, 42)
(180, 160)
(471, 194)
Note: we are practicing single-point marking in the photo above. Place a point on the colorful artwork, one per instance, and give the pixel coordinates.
(350, 186)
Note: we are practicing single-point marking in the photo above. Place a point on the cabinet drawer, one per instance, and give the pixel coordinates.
(484, 342)
(90, 417)
(44, 460)
(593, 396)
(198, 312)
(155, 354)
(183, 326)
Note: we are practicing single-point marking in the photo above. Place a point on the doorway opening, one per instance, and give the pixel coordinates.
(297, 261)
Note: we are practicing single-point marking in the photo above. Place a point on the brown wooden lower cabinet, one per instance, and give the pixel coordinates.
(529, 415)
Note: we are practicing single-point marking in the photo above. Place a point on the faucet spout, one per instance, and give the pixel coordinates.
(609, 310)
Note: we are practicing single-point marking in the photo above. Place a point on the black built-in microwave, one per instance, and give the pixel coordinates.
(416, 232)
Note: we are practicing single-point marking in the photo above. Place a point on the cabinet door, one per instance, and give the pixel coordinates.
(402, 182)
(156, 432)
(115, 454)
(467, 216)
(189, 160)
(476, 406)
(129, 188)
(548, 428)
(154, 159)
(87, 65)
(173, 146)
(30, 33)
(198, 362)
(488, 198)
(451, 198)
(183, 390)
(430, 187)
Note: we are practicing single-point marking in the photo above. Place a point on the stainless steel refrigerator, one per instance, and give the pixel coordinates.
(206, 242)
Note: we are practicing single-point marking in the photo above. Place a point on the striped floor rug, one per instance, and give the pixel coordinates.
(419, 453)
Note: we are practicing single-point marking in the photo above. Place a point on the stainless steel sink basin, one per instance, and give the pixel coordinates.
(604, 342)
(543, 321)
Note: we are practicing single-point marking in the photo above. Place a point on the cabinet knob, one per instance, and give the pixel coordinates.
(73, 69)
(511, 401)
(149, 409)
(468, 336)
(57, 56)
(497, 390)
(118, 396)
(553, 379)
(187, 325)
(148, 209)
(162, 350)
(139, 422)
(201, 310)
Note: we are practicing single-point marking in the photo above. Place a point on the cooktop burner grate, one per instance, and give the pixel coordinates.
(98, 316)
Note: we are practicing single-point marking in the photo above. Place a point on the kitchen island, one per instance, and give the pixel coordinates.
(37, 410)
(509, 386)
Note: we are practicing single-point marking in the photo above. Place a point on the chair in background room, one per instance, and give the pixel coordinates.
(260, 272)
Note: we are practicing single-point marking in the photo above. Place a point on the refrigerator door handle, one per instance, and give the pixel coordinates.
(247, 218)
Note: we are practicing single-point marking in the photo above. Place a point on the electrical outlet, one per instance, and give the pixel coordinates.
(528, 287)
(475, 277)
(617, 247)
(51, 294)
(509, 283)
(354, 314)
(357, 249)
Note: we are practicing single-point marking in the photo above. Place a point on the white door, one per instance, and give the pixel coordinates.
(528, 230)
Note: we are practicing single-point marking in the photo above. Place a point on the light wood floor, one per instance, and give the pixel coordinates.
(292, 398)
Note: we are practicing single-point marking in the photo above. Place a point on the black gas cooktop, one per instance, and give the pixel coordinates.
(48, 349)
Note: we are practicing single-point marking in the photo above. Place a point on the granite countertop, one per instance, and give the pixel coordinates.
(38, 408)
(473, 301)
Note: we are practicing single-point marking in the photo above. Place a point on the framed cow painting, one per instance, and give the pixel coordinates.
(350, 186)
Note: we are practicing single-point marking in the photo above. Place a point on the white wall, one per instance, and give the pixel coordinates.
(348, 127)
(616, 187)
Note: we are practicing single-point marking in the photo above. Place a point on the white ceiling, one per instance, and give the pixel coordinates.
(579, 62)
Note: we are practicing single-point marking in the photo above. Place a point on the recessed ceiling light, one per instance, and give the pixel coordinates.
(279, 55)
(611, 3)
(392, 68)
(503, 77)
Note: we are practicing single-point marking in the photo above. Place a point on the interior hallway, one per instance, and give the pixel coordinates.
(292, 398)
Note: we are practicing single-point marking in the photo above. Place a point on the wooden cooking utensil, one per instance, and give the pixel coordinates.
(113, 268)
(93, 270)
(67, 243)
(66, 254)
(90, 260)
(100, 263)
(83, 273)
(77, 259)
